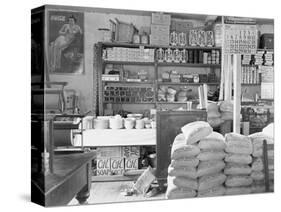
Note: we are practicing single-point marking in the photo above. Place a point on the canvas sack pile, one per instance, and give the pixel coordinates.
(257, 174)
(196, 162)
(238, 160)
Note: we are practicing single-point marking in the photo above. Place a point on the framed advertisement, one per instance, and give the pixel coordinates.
(65, 42)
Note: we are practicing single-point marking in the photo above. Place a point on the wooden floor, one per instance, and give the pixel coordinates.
(110, 192)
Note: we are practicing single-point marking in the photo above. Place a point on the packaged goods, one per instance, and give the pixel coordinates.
(238, 158)
(216, 191)
(182, 182)
(174, 192)
(213, 110)
(185, 162)
(237, 169)
(189, 172)
(238, 180)
(210, 181)
(226, 106)
(182, 150)
(257, 175)
(215, 122)
(207, 155)
(238, 190)
(238, 144)
(195, 131)
(215, 141)
(209, 167)
(227, 116)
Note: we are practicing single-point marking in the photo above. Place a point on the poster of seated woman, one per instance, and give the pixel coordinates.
(66, 42)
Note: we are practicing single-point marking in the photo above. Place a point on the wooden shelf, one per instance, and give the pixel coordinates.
(188, 84)
(130, 45)
(194, 101)
(128, 82)
(124, 103)
(189, 65)
(128, 63)
(250, 84)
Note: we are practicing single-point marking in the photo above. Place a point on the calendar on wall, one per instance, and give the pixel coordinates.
(240, 39)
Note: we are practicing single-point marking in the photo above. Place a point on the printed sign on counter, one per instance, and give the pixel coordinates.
(103, 166)
(130, 151)
(117, 166)
(131, 163)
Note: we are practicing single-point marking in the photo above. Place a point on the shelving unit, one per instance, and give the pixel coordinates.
(153, 83)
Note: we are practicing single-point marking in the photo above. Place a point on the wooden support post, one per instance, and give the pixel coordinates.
(237, 92)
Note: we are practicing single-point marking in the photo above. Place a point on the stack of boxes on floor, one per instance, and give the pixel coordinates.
(257, 165)
(239, 149)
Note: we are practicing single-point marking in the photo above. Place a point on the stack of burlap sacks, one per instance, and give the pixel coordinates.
(257, 165)
(196, 163)
(238, 159)
(204, 163)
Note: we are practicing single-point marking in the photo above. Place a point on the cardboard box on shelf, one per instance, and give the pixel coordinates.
(159, 40)
(157, 29)
(160, 18)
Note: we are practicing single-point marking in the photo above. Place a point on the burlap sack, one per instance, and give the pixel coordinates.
(238, 190)
(257, 140)
(174, 192)
(210, 167)
(207, 155)
(182, 182)
(189, 172)
(257, 175)
(238, 158)
(210, 181)
(214, 141)
(195, 131)
(216, 191)
(257, 188)
(238, 180)
(237, 169)
(257, 164)
(238, 144)
(182, 150)
(184, 162)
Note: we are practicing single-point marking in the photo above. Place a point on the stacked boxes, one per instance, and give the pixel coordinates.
(129, 54)
(160, 29)
(259, 58)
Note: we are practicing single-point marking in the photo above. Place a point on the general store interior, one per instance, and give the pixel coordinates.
(145, 75)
